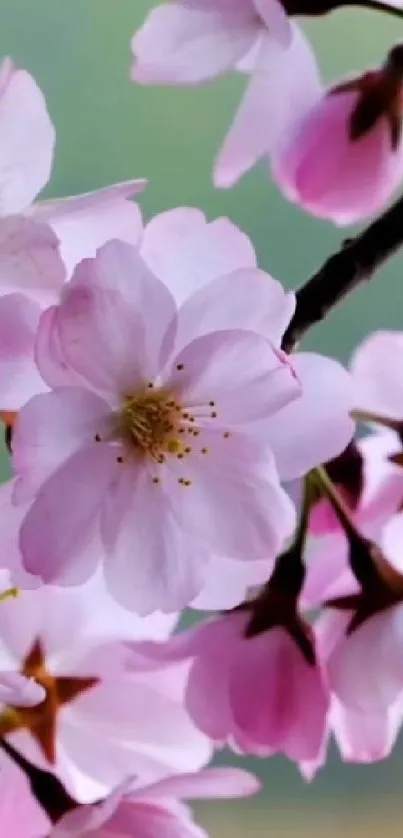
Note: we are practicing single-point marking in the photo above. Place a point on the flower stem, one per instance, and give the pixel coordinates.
(355, 263)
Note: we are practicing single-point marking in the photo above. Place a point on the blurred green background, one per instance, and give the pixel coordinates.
(108, 130)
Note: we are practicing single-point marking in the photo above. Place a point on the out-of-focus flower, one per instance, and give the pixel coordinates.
(344, 157)
(262, 694)
(184, 43)
(98, 722)
(155, 811)
(40, 244)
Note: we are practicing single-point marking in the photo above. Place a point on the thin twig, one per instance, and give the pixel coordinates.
(355, 263)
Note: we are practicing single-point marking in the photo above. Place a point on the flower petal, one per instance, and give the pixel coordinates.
(152, 565)
(182, 44)
(235, 505)
(56, 536)
(19, 376)
(49, 429)
(375, 369)
(186, 251)
(284, 84)
(27, 139)
(320, 418)
(83, 223)
(246, 299)
(231, 377)
(29, 260)
(208, 783)
(113, 319)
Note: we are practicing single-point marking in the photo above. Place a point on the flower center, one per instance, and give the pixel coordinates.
(151, 423)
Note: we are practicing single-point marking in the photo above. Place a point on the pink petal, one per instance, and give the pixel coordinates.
(320, 420)
(207, 697)
(205, 784)
(49, 356)
(29, 260)
(363, 736)
(182, 44)
(19, 376)
(152, 565)
(226, 582)
(27, 140)
(113, 319)
(19, 691)
(276, 19)
(49, 429)
(284, 83)
(258, 303)
(186, 251)
(240, 371)
(20, 814)
(366, 669)
(235, 505)
(56, 535)
(11, 518)
(279, 701)
(375, 370)
(84, 223)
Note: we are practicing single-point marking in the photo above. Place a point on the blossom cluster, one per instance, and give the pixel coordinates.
(170, 451)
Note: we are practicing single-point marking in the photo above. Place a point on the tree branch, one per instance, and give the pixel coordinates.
(355, 263)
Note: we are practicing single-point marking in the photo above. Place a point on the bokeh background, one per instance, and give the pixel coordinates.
(108, 130)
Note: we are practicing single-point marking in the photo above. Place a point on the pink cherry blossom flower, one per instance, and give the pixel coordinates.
(98, 721)
(32, 271)
(171, 413)
(190, 42)
(155, 811)
(344, 157)
(258, 694)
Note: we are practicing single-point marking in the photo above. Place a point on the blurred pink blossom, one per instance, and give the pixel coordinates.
(155, 810)
(98, 721)
(343, 159)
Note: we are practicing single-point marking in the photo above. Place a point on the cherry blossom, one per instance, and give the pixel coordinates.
(187, 43)
(155, 810)
(99, 721)
(241, 686)
(41, 244)
(191, 413)
(344, 157)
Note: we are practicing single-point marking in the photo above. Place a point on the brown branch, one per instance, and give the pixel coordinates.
(356, 262)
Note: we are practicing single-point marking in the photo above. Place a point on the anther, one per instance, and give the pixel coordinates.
(97, 438)
(157, 481)
(119, 459)
(185, 415)
(180, 456)
(226, 435)
(204, 450)
(180, 367)
(212, 404)
(214, 414)
(187, 450)
(150, 385)
(187, 482)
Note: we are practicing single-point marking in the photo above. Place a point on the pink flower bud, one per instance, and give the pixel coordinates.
(344, 158)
